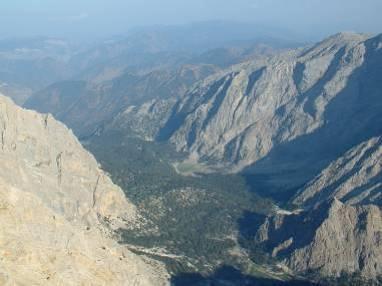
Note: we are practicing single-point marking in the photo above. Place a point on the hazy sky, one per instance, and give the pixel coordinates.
(81, 18)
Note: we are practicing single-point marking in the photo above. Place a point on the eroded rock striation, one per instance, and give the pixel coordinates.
(329, 240)
(354, 178)
(297, 110)
(58, 210)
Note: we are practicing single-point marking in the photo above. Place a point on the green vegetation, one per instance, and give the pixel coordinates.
(346, 279)
(198, 217)
(194, 224)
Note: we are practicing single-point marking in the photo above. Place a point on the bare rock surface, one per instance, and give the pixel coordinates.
(299, 103)
(354, 178)
(331, 239)
(58, 210)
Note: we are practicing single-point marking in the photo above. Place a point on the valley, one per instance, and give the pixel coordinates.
(248, 159)
(223, 175)
(194, 224)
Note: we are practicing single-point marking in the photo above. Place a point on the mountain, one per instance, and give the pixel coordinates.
(354, 178)
(59, 211)
(149, 48)
(29, 64)
(333, 239)
(289, 114)
(275, 160)
(140, 47)
(85, 106)
(145, 64)
(303, 126)
(206, 35)
(227, 56)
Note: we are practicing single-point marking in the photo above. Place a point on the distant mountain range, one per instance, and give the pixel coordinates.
(156, 63)
(31, 64)
(27, 65)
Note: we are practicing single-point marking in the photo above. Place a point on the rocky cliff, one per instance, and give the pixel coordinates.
(329, 240)
(286, 112)
(58, 210)
(354, 178)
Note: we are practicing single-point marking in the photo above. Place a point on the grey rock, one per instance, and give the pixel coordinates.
(331, 239)
(291, 111)
(59, 210)
(354, 178)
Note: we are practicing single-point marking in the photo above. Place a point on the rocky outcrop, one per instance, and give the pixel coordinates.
(354, 178)
(58, 210)
(328, 241)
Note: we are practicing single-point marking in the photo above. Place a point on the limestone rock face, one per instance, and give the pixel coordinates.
(297, 103)
(328, 240)
(58, 210)
(354, 178)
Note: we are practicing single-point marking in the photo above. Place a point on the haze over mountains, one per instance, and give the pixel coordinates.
(30, 64)
(127, 69)
(238, 149)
